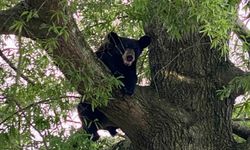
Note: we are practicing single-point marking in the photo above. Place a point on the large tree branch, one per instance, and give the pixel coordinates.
(75, 59)
(241, 131)
(32, 29)
(137, 110)
(231, 71)
(72, 55)
(228, 72)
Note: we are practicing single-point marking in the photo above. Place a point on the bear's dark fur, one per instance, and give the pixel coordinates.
(120, 55)
(94, 120)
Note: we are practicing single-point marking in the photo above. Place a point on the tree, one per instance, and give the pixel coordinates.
(188, 64)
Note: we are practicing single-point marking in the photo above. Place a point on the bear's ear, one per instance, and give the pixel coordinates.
(113, 38)
(144, 41)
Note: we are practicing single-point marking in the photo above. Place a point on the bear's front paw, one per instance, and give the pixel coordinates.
(118, 74)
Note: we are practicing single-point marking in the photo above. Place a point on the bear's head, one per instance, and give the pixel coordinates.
(129, 49)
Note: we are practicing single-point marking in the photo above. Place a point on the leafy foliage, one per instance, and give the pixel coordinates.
(213, 18)
(35, 105)
(36, 97)
(101, 17)
(77, 141)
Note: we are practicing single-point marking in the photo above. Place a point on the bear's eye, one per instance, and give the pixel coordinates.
(126, 46)
(137, 51)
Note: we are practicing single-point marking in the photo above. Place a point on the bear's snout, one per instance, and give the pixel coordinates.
(128, 57)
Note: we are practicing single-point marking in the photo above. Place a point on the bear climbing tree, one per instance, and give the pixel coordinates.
(120, 55)
(181, 108)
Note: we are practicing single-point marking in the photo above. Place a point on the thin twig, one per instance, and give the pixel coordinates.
(14, 67)
(33, 104)
(20, 110)
(241, 119)
(44, 141)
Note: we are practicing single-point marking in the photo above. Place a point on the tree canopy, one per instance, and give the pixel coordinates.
(51, 67)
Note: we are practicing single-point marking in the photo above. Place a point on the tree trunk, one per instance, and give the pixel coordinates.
(184, 112)
(184, 74)
(180, 110)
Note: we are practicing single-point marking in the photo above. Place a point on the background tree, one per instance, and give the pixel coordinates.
(189, 103)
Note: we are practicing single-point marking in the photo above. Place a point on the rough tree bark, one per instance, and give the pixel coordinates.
(180, 110)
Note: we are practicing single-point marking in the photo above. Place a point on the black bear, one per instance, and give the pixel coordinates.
(120, 55)
(92, 120)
